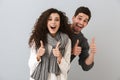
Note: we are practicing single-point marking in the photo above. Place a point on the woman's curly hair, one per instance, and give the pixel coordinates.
(40, 29)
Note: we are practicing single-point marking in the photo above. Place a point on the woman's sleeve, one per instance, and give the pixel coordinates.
(65, 61)
(32, 62)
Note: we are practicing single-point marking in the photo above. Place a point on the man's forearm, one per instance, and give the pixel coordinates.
(90, 59)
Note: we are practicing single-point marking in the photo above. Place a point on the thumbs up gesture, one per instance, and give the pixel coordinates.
(57, 53)
(93, 46)
(76, 49)
(41, 51)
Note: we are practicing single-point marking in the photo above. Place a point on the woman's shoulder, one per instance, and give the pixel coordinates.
(64, 34)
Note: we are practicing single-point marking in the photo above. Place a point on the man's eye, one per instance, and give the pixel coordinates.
(79, 18)
(86, 21)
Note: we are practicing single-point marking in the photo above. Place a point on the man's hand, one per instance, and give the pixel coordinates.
(90, 59)
(93, 46)
(76, 49)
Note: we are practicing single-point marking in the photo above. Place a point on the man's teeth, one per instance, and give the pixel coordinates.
(79, 25)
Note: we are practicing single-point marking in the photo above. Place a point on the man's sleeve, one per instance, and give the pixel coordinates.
(84, 54)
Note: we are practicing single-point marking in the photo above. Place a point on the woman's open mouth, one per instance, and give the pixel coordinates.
(52, 27)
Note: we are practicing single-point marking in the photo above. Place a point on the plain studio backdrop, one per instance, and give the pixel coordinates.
(17, 18)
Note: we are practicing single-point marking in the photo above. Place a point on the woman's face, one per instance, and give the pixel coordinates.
(53, 23)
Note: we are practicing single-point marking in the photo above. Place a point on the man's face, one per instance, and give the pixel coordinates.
(79, 22)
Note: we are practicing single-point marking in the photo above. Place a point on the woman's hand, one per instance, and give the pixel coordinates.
(41, 51)
(57, 53)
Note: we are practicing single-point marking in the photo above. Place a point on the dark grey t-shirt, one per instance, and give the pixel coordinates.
(83, 43)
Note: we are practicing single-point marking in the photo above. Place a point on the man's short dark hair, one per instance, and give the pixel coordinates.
(84, 10)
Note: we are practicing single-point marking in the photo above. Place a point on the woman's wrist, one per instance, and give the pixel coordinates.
(59, 59)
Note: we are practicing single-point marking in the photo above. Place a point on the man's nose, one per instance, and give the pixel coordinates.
(81, 22)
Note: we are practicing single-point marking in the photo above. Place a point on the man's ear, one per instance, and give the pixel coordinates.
(73, 18)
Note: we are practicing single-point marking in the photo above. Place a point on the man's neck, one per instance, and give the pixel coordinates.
(75, 32)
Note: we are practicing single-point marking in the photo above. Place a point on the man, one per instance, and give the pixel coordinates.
(80, 46)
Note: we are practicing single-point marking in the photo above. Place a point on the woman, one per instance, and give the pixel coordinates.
(50, 47)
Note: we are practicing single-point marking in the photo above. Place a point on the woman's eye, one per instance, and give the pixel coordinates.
(57, 20)
(49, 19)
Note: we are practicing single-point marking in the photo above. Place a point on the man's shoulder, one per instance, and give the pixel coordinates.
(82, 35)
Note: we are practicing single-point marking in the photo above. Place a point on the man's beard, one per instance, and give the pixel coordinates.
(74, 30)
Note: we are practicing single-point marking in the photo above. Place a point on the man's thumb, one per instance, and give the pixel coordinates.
(93, 40)
(77, 42)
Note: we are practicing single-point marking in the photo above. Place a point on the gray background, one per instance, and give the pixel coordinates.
(17, 18)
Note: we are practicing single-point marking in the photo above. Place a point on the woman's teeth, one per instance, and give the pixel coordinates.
(53, 27)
